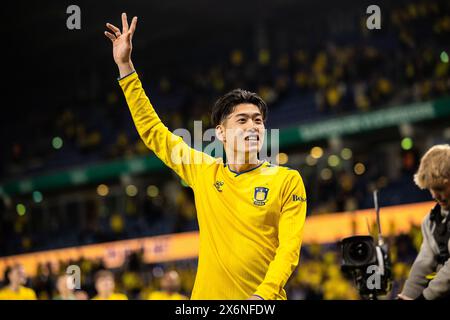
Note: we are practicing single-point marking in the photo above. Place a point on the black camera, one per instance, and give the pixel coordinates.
(367, 262)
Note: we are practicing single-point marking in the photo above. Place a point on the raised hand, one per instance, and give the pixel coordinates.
(122, 43)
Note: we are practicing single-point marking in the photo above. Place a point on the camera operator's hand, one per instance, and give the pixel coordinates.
(403, 297)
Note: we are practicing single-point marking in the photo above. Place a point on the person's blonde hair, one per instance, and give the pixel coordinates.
(434, 168)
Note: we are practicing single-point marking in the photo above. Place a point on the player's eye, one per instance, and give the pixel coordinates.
(241, 120)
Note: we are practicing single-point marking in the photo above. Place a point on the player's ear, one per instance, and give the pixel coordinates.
(220, 133)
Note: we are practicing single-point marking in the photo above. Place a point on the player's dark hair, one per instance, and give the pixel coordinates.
(225, 105)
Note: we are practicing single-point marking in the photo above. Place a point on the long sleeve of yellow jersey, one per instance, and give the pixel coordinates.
(170, 148)
(290, 234)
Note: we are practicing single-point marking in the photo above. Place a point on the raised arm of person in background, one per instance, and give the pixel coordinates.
(171, 149)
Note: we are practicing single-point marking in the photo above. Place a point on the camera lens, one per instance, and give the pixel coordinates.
(359, 252)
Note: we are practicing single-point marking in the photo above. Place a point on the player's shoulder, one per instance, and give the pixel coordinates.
(283, 171)
(212, 165)
(210, 161)
(217, 161)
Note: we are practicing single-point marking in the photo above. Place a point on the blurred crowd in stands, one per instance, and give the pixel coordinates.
(359, 71)
(318, 276)
(155, 204)
(85, 217)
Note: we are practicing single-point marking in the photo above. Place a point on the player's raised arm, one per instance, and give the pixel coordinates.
(171, 149)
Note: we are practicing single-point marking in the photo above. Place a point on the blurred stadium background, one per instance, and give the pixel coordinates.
(356, 109)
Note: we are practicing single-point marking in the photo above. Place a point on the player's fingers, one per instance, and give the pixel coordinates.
(133, 25)
(124, 23)
(114, 29)
(110, 36)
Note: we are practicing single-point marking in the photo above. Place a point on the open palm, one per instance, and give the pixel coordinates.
(122, 40)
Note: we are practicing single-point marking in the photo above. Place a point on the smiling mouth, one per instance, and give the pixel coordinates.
(252, 138)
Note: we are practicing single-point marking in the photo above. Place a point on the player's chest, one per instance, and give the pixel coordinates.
(251, 199)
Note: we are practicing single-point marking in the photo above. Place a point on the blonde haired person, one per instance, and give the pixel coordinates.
(430, 274)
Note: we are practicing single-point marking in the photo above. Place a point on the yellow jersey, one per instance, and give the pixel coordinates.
(23, 293)
(250, 223)
(162, 295)
(113, 296)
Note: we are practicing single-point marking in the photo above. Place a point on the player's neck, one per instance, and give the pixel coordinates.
(244, 163)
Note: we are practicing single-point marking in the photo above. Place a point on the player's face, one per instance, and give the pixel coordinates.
(244, 129)
(442, 195)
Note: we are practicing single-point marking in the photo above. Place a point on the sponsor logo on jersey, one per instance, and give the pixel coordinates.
(298, 198)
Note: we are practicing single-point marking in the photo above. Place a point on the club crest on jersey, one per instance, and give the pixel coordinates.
(260, 196)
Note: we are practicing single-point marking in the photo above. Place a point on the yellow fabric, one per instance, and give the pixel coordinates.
(161, 295)
(114, 296)
(24, 293)
(249, 238)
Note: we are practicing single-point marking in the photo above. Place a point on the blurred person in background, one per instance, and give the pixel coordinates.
(65, 292)
(44, 281)
(131, 278)
(15, 288)
(170, 287)
(81, 295)
(430, 274)
(105, 286)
